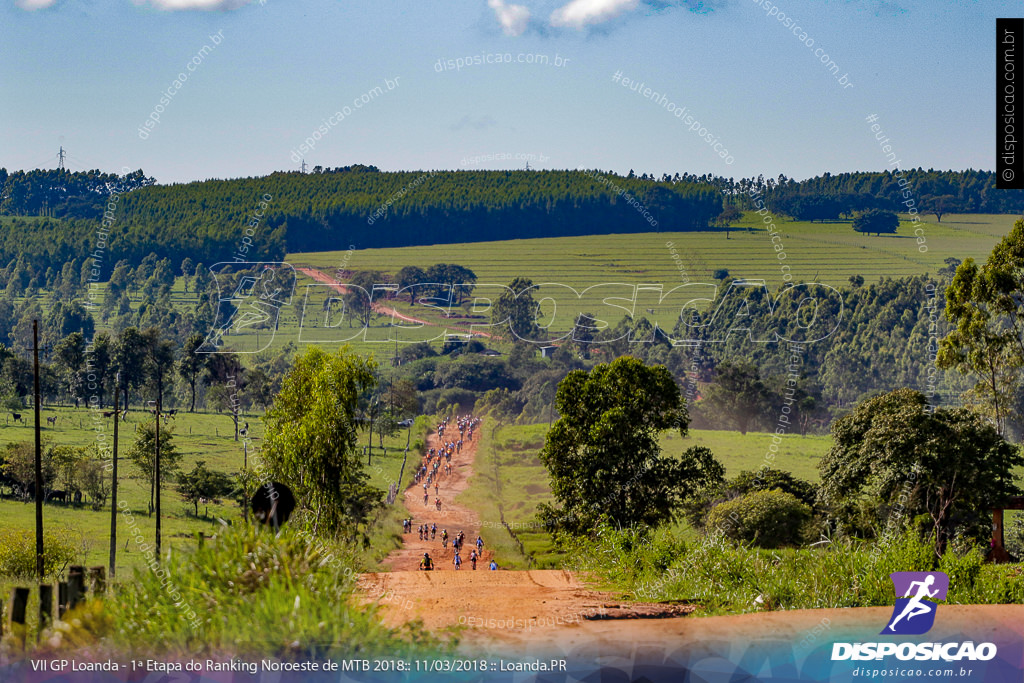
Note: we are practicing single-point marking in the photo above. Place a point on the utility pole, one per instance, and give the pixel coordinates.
(39, 451)
(156, 467)
(113, 483)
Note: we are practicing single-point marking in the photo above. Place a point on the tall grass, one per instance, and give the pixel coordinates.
(723, 577)
(246, 593)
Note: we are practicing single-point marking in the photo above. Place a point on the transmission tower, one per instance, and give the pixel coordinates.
(303, 165)
(60, 158)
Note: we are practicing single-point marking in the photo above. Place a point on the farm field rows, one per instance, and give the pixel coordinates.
(826, 253)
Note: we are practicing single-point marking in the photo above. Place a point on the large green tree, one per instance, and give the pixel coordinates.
(517, 308)
(876, 221)
(310, 441)
(895, 450)
(985, 304)
(603, 453)
(69, 357)
(738, 394)
(190, 365)
(130, 358)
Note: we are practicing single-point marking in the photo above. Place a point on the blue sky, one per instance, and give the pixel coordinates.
(86, 74)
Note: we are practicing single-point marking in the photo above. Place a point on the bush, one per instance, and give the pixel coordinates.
(769, 519)
(963, 569)
(696, 507)
(1013, 535)
(18, 552)
(455, 397)
(722, 577)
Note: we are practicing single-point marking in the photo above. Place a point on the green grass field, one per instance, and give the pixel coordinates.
(827, 253)
(510, 478)
(822, 252)
(199, 436)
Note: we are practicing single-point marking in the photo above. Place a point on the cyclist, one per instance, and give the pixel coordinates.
(444, 538)
(457, 561)
(426, 564)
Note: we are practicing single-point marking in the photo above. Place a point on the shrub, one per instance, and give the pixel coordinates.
(18, 552)
(963, 569)
(1013, 535)
(768, 519)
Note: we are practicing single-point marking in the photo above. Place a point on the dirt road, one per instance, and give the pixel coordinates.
(502, 604)
(553, 612)
(452, 516)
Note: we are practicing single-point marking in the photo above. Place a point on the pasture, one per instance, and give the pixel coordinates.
(827, 253)
(511, 481)
(197, 436)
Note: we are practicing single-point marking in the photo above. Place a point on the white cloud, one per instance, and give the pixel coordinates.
(31, 5)
(580, 13)
(513, 18)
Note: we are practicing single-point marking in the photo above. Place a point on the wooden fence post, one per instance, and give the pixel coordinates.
(18, 607)
(76, 586)
(62, 598)
(98, 579)
(45, 605)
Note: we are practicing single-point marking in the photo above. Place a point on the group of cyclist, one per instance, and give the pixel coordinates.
(437, 463)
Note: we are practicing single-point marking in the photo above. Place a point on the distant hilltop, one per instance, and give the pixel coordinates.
(50, 215)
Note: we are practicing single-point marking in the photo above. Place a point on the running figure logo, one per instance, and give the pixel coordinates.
(250, 296)
(914, 613)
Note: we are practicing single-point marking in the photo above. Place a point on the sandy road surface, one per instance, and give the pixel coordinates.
(552, 613)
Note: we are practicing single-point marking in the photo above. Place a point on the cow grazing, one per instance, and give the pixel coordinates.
(54, 496)
(52, 421)
(17, 417)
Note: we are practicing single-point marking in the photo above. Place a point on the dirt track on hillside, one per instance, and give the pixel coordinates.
(380, 308)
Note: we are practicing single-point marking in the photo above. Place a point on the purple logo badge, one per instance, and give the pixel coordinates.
(914, 612)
